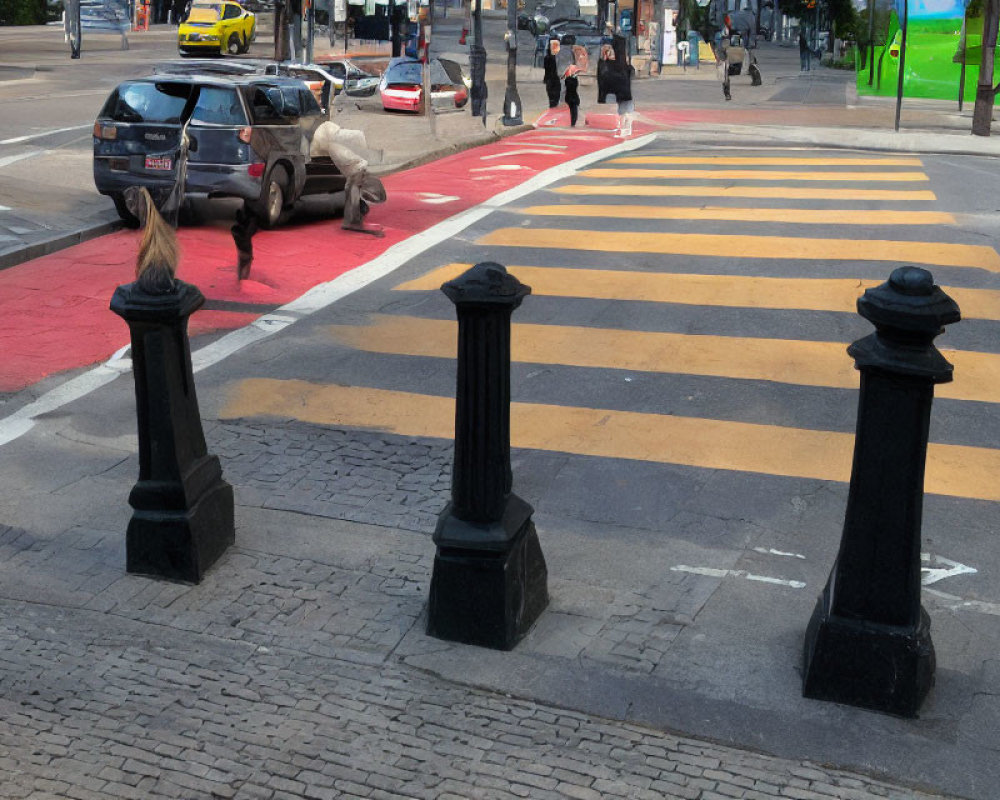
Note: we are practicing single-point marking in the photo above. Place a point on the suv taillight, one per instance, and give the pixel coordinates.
(244, 134)
(105, 131)
(256, 170)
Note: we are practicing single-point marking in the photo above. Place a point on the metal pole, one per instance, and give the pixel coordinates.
(871, 41)
(902, 63)
(511, 99)
(310, 31)
(477, 64)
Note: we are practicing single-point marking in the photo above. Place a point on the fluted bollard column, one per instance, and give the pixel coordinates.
(868, 643)
(490, 581)
(183, 509)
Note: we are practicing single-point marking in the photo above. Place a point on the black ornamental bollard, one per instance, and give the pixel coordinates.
(868, 643)
(183, 509)
(490, 580)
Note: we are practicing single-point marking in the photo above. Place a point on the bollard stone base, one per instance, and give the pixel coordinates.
(488, 597)
(181, 545)
(880, 667)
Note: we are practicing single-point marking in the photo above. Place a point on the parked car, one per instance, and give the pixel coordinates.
(248, 137)
(401, 87)
(223, 27)
(576, 31)
(329, 79)
(350, 78)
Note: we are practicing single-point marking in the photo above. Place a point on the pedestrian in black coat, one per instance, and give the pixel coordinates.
(553, 86)
(572, 93)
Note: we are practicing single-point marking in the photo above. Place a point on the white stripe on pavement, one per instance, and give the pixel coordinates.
(736, 573)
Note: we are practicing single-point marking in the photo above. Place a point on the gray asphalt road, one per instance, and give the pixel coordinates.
(686, 528)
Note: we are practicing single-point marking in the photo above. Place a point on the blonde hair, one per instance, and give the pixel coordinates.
(159, 254)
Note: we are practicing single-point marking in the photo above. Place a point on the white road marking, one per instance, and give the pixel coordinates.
(319, 297)
(8, 160)
(736, 573)
(5, 208)
(30, 136)
(520, 151)
(956, 603)
(554, 146)
(769, 552)
(436, 199)
(499, 168)
(934, 574)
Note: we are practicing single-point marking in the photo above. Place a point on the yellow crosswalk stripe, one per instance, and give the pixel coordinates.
(791, 361)
(733, 246)
(751, 175)
(788, 161)
(732, 291)
(954, 470)
(825, 216)
(755, 192)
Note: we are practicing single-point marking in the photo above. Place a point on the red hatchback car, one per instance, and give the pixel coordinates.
(401, 86)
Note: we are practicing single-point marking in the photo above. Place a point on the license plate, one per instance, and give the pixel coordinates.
(159, 162)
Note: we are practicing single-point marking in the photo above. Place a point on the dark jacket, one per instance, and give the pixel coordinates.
(553, 86)
(803, 44)
(572, 95)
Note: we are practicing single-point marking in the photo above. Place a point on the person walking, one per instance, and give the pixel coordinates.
(553, 86)
(623, 90)
(805, 54)
(572, 94)
(603, 67)
(722, 58)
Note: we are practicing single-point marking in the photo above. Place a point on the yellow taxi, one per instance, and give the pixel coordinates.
(222, 27)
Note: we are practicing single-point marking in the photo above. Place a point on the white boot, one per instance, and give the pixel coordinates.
(626, 125)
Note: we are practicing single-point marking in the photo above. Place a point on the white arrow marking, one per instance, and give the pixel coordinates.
(431, 197)
(518, 152)
(770, 552)
(934, 574)
(736, 573)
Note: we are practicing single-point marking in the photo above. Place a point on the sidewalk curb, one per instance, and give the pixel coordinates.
(57, 243)
(919, 142)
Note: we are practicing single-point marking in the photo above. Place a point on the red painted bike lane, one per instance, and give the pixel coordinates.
(54, 310)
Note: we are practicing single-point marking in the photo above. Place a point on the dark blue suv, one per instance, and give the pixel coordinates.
(247, 136)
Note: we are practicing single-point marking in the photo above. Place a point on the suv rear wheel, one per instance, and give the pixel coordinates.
(130, 219)
(272, 199)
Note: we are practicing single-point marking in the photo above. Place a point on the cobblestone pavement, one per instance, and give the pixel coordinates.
(183, 699)
(285, 677)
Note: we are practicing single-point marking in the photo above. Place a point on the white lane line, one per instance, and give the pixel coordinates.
(533, 143)
(5, 208)
(956, 603)
(317, 298)
(770, 552)
(8, 160)
(499, 168)
(736, 573)
(520, 151)
(30, 136)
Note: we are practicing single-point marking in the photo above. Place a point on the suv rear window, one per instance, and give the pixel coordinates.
(148, 102)
(218, 105)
